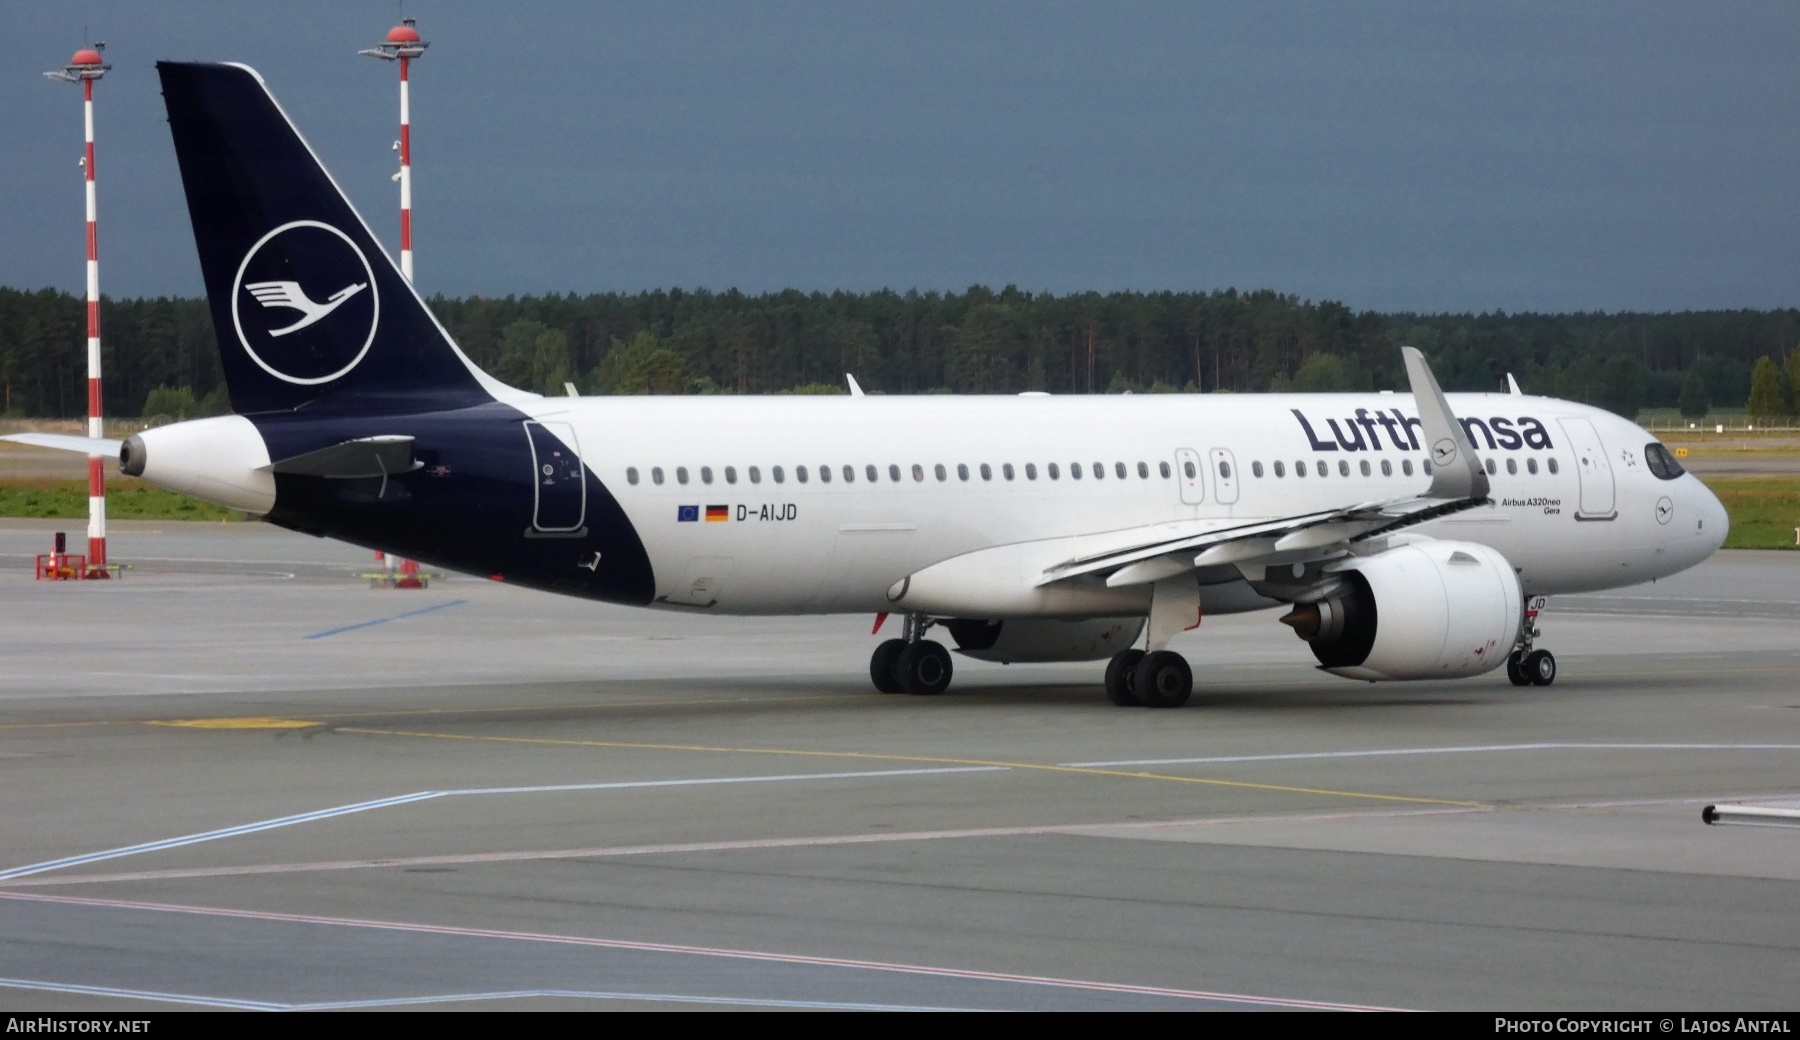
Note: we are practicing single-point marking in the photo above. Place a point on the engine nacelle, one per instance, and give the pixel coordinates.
(1021, 641)
(1426, 610)
(221, 460)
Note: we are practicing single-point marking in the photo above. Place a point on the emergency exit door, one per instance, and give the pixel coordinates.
(1225, 476)
(1188, 474)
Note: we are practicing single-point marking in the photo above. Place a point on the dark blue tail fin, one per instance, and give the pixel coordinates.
(306, 304)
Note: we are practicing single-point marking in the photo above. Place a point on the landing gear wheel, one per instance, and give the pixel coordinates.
(1164, 680)
(1515, 669)
(1539, 666)
(924, 668)
(884, 670)
(1121, 678)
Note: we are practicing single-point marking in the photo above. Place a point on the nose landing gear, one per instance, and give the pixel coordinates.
(1526, 666)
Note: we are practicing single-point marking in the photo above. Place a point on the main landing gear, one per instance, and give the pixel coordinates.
(1526, 666)
(1159, 679)
(911, 664)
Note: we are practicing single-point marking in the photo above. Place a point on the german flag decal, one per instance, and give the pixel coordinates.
(717, 514)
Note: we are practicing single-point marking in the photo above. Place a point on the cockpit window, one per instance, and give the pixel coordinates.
(1661, 461)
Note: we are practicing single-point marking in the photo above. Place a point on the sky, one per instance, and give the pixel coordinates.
(1395, 156)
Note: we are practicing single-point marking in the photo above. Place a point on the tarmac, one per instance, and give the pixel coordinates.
(239, 777)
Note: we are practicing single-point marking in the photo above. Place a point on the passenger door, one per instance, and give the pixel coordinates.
(559, 486)
(1598, 494)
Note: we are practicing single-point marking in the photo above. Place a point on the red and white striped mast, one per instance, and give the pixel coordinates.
(84, 68)
(403, 45)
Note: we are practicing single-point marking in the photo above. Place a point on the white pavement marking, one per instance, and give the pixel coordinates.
(583, 994)
(1470, 749)
(223, 832)
(742, 845)
(764, 956)
(140, 994)
(419, 796)
(448, 998)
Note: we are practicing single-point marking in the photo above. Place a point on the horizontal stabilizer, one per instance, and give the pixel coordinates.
(68, 442)
(364, 457)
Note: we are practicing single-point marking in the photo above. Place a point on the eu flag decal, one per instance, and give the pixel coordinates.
(687, 514)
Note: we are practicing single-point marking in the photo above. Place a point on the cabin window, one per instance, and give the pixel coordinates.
(1661, 463)
(939, 472)
(1224, 469)
(631, 474)
(1365, 468)
(1143, 471)
(776, 473)
(1512, 467)
(1531, 466)
(1031, 471)
(1426, 467)
(987, 472)
(680, 474)
(1074, 471)
(918, 473)
(1300, 469)
(705, 474)
(1256, 469)
(824, 474)
(1343, 467)
(1387, 468)
(872, 473)
(800, 474)
(1006, 470)
(893, 472)
(962, 471)
(755, 475)
(1321, 467)
(1551, 463)
(730, 474)
(1492, 468)
(1280, 470)
(656, 475)
(1099, 471)
(1406, 466)
(1188, 468)
(1052, 470)
(850, 474)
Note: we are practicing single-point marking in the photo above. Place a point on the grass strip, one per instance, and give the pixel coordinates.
(1764, 510)
(126, 499)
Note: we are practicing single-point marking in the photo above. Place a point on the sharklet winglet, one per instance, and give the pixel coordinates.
(1456, 472)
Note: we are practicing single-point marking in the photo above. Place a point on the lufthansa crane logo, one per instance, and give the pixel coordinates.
(1444, 451)
(304, 303)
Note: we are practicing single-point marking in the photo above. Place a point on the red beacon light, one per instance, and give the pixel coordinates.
(87, 64)
(402, 41)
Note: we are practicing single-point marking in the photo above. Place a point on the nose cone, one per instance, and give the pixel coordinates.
(1713, 523)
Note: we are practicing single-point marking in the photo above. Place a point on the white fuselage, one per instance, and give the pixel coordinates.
(1575, 506)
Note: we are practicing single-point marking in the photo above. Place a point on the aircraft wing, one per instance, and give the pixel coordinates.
(1252, 540)
(1458, 482)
